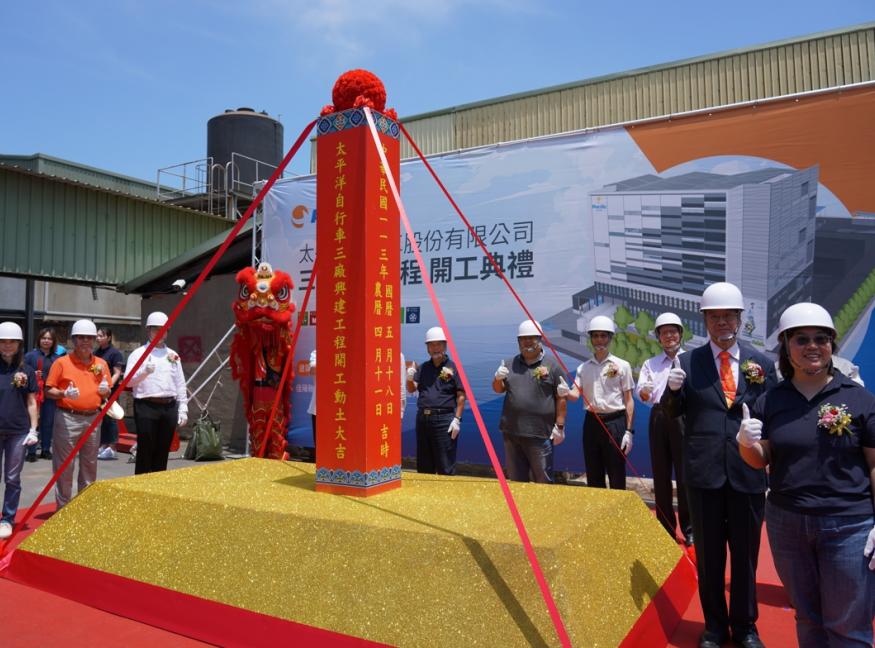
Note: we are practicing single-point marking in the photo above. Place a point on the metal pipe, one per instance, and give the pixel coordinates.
(91, 316)
(211, 353)
(208, 378)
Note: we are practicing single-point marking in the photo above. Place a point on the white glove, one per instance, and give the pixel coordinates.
(562, 388)
(72, 392)
(676, 378)
(150, 366)
(181, 419)
(626, 443)
(502, 372)
(103, 388)
(869, 551)
(557, 436)
(750, 431)
(411, 373)
(455, 427)
(32, 438)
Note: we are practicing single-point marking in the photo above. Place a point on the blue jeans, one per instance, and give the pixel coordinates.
(529, 455)
(435, 450)
(820, 560)
(12, 459)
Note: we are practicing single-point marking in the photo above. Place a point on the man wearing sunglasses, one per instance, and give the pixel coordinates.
(726, 496)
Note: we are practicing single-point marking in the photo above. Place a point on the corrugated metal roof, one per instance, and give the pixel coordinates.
(824, 60)
(60, 229)
(52, 166)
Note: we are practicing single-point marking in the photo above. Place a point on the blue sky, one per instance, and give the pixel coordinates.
(129, 85)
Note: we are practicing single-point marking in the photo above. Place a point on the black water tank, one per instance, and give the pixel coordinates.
(243, 131)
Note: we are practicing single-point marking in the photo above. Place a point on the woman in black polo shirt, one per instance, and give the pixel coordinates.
(18, 418)
(816, 431)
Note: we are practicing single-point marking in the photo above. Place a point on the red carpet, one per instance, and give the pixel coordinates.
(31, 617)
(776, 624)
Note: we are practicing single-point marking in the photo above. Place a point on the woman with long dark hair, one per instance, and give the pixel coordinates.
(18, 418)
(816, 432)
(40, 360)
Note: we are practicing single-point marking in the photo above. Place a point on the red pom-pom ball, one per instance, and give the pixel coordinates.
(359, 88)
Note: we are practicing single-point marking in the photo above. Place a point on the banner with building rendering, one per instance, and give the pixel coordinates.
(627, 222)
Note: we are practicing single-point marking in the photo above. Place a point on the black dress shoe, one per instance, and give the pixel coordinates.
(710, 640)
(751, 640)
(46, 454)
(31, 458)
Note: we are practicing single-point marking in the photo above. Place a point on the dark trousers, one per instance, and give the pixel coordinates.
(724, 516)
(666, 442)
(435, 450)
(313, 417)
(155, 425)
(46, 425)
(600, 455)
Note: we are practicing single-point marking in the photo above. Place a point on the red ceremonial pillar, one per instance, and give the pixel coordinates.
(358, 444)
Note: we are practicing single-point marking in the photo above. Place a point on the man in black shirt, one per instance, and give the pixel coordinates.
(439, 407)
(116, 363)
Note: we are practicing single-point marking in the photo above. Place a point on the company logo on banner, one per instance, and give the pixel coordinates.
(628, 224)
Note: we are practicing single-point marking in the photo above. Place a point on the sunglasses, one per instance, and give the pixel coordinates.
(821, 339)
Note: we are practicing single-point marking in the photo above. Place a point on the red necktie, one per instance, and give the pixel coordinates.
(727, 380)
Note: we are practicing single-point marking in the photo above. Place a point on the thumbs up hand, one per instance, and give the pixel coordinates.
(676, 378)
(502, 372)
(411, 372)
(750, 431)
(103, 388)
(562, 388)
(72, 392)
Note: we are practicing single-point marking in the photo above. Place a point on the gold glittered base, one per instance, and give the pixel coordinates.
(437, 562)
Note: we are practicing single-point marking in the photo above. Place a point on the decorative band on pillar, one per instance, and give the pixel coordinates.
(354, 118)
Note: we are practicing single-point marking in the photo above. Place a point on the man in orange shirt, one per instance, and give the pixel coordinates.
(79, 381)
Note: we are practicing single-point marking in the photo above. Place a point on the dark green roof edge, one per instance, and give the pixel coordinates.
(211, 244)
(639, 71)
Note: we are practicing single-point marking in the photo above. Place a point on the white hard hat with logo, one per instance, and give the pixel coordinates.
(601, 323)
(529, 328)
(805, 314)
(156, 319)
(722, 296)
(83, 327)
(668, 318)
(435, 334)
(10, 331)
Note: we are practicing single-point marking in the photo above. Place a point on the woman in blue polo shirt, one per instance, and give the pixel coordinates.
(816, 432)
(18, 416)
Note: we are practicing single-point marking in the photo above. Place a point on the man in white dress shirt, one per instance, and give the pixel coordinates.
(160, 399)
(666, 433)
(606, 383)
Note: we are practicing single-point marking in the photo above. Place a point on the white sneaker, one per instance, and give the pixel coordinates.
(106, 453)
(5, 530)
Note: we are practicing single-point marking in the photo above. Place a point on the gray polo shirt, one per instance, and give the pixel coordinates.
(530, 400)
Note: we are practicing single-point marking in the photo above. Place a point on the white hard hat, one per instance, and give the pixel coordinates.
(668, 318)
(805, 314)
(601, 323)
(84, 327)
(10, 331)
(529, 328)
(156, 319)
(435, 334)
(722, 296)
(115, 411)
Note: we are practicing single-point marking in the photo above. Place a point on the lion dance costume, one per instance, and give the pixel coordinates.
(262, 344)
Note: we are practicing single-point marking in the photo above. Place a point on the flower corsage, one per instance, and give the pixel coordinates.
(96, 369)
(19, 379)
(172, 357)
(539, 373)
(753, 372)
(446, 373)
(611, 370)
(835, 419)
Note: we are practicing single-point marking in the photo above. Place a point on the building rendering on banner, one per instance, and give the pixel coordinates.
(659, 242)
